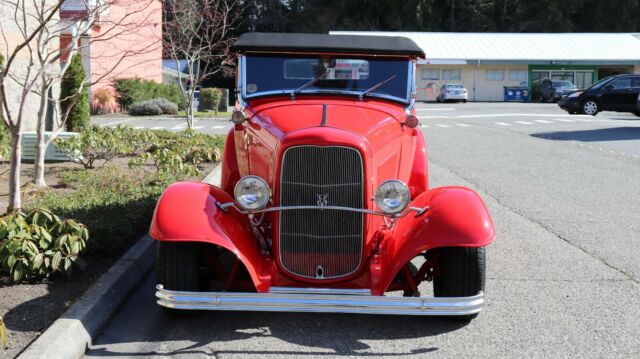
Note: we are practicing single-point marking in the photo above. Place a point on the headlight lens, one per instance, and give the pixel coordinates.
(252, 192)
(575, 94)
(392, 196)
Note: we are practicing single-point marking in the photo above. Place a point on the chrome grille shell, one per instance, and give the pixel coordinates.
(329, 241)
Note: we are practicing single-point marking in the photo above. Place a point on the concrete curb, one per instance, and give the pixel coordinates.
(71, 334)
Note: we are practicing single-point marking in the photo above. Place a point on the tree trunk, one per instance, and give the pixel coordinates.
(41, 148)
(189, 110)
(15, 200)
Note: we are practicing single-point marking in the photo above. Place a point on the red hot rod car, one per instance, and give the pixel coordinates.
(324, 199)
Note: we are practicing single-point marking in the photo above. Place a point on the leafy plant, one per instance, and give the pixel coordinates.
(95, 143)
(210, 99)
(181, 153)
(72, 80)
(38, 243)
(153, 107)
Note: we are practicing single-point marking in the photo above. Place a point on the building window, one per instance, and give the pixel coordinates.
(451, 74)
(430, 74)
(518, 75)
(495, 75)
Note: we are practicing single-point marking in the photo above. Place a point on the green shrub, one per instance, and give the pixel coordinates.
(38, 243)
(131, 90)
(157, 106)
(210, 99)
(115, 205)
(72, 80)
(94, 143)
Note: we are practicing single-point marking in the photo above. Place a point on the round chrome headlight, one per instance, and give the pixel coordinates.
(252, 192)
(392, 196)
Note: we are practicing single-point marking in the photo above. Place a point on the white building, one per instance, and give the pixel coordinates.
(487, 62)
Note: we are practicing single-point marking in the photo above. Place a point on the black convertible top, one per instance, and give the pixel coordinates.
(325, 43)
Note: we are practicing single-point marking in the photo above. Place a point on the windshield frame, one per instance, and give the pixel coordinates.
(408, 100)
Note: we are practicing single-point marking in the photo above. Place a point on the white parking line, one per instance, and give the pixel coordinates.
(462, 125)
(503, 124)
(524, 123)
(115, 122)
(197, 127)
(436, 109)
(443, 125)
(424, 126)
(157, 128)
(138, 127)
(543, 121)
(217, 127)
(177, 127)
(563, 120)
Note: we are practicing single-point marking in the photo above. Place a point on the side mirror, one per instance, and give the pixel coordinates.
(608, 88)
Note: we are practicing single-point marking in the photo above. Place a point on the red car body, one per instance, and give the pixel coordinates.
(377, 129)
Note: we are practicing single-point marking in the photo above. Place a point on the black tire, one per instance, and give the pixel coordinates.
(637, 113)
(590, 107)
(464, 101)
(177, 268)
(460, 273)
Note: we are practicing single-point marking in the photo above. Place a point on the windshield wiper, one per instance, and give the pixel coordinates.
(374, 87)
(313, 81)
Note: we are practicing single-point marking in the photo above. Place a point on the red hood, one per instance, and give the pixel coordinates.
(378, 123)
(373, 120)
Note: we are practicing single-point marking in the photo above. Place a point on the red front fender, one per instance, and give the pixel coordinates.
(457, 217)
(187, 212)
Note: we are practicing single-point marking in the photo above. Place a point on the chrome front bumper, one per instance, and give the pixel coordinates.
(281, 299)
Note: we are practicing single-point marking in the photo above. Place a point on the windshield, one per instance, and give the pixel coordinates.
(454, 86)
(302, 75)
(600, 83)
(562, 84)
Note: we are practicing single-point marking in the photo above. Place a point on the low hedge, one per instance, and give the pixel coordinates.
(115, 205)
(131, 90)
(156, 106)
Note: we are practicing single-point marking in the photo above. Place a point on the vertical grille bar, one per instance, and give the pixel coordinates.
(321, 244)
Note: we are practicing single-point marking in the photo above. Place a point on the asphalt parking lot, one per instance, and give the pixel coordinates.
(563, 276)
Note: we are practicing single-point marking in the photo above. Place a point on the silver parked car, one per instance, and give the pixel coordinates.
(452, 92)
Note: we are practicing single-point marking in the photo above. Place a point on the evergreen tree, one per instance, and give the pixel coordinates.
(72, 80)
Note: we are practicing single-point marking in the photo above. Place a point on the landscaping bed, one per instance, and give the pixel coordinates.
(114, 200)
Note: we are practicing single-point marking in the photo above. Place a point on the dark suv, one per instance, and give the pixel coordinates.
(615, 93)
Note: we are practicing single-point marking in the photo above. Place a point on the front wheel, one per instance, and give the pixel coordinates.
(590, 107)
(177, 268)
(460, 272)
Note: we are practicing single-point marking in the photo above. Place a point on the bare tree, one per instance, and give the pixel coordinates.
(198, 34)
(41, 29)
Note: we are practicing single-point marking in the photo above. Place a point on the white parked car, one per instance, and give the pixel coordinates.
(452, 92)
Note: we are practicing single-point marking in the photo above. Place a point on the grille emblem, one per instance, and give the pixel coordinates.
(322, 199)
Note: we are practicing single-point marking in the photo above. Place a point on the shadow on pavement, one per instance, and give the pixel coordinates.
(595, 135)
(146, 326)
